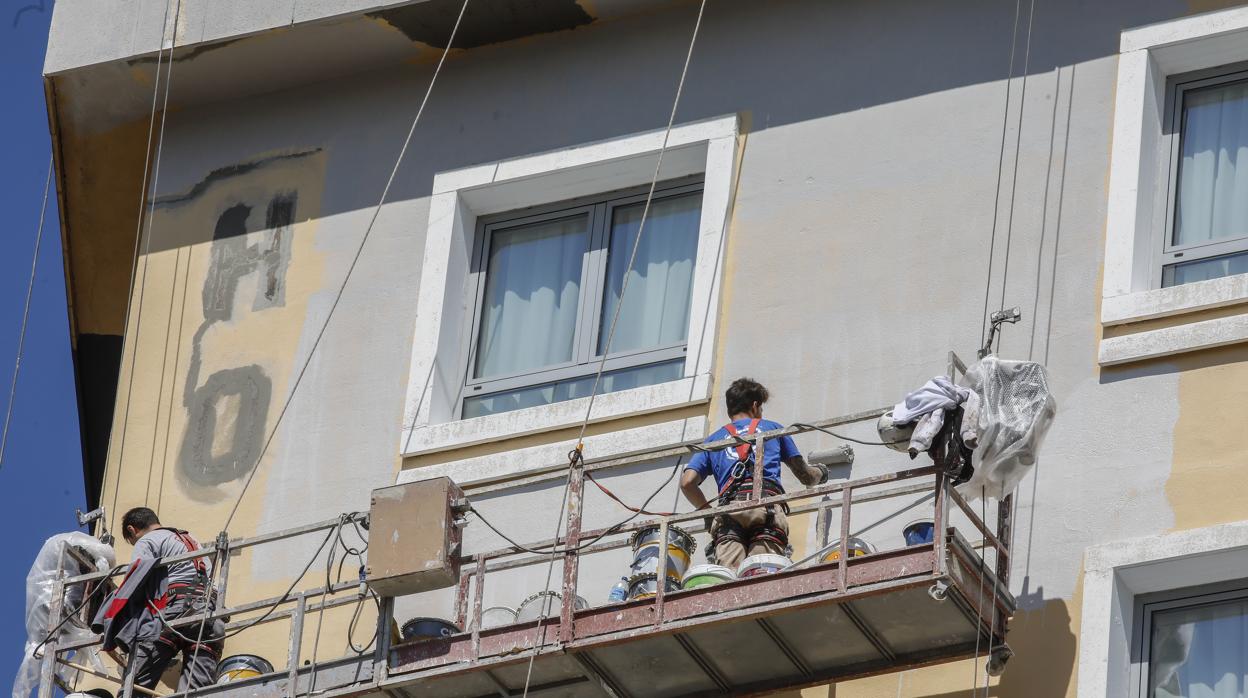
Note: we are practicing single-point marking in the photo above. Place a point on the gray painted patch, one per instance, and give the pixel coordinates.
(232, 259)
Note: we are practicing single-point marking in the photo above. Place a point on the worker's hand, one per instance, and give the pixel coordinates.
(824, 474)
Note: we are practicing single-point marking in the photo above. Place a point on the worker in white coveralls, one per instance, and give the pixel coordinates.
(753, 531)
(137, 617)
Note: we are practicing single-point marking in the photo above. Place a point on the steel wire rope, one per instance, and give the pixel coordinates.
(996, 192)
(394, 171)
(21, 335)
(1018, 143)
(606, 350)
(134, 265)
(147, 250)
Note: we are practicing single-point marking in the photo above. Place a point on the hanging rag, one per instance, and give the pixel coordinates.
(928, 406)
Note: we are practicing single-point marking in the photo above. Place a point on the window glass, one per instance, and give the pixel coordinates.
(1212, 198)
(532, 292)
(1200, 651)
(1204, 269)
(656, 304)
(571, 389)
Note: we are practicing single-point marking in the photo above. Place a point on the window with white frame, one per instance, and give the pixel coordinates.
(548, 282)
(1193, 643)
(1206, 231)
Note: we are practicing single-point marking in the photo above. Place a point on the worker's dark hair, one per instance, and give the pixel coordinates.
(742, 395)
(140, 518)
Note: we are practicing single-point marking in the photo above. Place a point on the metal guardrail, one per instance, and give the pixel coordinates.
(298, 604)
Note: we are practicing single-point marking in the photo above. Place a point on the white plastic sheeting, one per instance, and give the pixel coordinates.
(40, 583)
(1016, 409)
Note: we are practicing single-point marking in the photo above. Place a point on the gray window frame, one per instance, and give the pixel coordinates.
(1147, 605)
(1167, 253)
(599, 209)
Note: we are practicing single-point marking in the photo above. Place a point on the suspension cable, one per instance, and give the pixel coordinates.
(606, 350)
(21, 335)
(385, 192)
(134, 265)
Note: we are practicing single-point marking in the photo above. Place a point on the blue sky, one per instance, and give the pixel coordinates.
(41, 477)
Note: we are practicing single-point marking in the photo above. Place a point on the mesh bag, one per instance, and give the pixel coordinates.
(1016, 409)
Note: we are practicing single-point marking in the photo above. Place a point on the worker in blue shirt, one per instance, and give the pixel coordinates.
(753, 531)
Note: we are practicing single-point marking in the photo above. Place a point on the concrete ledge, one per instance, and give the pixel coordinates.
(1176, 300)
(1153, 344)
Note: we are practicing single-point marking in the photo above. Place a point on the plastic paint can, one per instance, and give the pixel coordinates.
(757, 565)
(919, 532)
(857, 548)
(707, 575)
(242, 666)
(428, 629)
(495, 616)
(550, 601)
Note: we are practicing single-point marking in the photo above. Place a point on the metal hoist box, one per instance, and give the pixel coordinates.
(413, 541)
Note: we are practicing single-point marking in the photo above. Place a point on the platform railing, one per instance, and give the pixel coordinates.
(820, 500)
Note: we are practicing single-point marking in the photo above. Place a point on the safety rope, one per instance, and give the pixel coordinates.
(1018, 142)
(134, 265)
(577, 454)
(21, 335)
(385, 192)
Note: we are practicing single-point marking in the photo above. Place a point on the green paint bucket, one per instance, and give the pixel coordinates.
(707, 575)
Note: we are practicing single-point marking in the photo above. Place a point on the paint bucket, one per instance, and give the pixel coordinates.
(646, 585)
(428, 629)
(757, 565)
(707, 575)
(495, 616)
(680, 548)
(919, 532)
(857, 548)
(549, 602)
(242, 666)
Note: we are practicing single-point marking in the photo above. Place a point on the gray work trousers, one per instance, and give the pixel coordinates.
(156, 647)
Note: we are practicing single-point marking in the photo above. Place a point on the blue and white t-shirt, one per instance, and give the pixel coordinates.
(721, 463)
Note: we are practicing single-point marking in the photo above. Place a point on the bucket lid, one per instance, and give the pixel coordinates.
(766, 559)
(917, 522)
(715, 570)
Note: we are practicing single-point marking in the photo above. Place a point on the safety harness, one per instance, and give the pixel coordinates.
(740, 487)
(199, 590)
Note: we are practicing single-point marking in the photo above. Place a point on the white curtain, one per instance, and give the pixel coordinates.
(656, 303)
(1200, 652)
(532, 287)
(1213, 182)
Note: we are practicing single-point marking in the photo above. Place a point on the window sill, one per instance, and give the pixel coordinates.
(1177, 303)
(435, 438)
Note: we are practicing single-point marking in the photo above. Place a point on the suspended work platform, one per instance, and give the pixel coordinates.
(817, 622)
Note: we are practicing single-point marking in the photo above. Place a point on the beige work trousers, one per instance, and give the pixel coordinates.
(730, 553)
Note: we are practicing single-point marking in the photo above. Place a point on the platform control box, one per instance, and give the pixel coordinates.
(413, 538)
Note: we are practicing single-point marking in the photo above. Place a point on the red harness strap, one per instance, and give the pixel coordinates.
(191, 546)
(743, 450)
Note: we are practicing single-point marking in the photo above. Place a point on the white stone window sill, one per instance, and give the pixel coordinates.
(1174, 302)
(433, 438)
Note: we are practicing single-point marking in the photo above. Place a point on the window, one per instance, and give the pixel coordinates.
(1208, 204)
(548, 283)
(1194, 643)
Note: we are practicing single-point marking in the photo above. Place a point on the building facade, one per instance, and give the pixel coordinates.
(847, 189)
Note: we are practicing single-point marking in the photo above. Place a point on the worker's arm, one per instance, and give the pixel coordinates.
(809, 474)
(690, 485)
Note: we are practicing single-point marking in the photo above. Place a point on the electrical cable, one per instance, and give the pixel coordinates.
(134, 263)
(829, 432)
(21, 335)
(350, 269)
